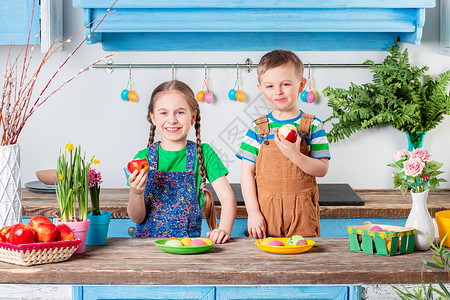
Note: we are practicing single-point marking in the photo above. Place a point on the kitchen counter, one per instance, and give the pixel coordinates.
(388, 203)
(124, 261)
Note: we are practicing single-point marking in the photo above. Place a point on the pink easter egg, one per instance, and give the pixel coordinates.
(376, 228)
(276, 243)
(197, 242)
(208, 97)
(311, 96)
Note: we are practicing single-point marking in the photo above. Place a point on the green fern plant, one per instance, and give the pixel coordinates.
(400, 95)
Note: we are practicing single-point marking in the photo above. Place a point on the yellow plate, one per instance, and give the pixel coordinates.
(285, 249)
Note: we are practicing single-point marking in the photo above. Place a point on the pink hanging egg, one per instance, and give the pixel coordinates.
(311, 96)
(208, 97)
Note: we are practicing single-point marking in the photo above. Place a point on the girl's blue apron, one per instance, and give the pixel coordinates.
(171, 199)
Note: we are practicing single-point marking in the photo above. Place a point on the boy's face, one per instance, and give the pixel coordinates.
(280, 87)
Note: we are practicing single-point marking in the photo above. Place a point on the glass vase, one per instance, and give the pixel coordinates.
(415, 139)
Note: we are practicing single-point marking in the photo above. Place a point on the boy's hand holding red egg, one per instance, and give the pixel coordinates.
(288, 141)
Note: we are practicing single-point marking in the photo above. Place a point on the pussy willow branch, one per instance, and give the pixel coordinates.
(16, 106)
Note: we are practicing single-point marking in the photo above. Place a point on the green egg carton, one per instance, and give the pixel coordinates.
(377, 242)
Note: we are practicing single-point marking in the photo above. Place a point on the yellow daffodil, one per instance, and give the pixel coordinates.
(61, 177)
(69, 147)
(95, 161)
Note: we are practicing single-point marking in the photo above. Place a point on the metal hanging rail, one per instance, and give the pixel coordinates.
(248, 66)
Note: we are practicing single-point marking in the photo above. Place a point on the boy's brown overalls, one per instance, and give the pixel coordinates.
(288, 197)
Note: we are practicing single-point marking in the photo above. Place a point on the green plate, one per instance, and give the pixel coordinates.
(181, 249)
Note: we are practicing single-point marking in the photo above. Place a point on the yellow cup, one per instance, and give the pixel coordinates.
(443, 223)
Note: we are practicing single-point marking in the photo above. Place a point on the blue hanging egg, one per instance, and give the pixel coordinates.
(303, 96)
(124, 95)
(232, 94)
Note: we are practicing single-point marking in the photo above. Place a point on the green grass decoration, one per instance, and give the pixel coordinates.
(400, 95)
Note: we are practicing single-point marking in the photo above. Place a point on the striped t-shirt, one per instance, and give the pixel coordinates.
(317, 142)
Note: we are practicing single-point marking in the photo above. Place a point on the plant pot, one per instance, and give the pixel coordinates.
(443, 223)
(11, 191)
(80, 230)
(420, 219)
(98, 228)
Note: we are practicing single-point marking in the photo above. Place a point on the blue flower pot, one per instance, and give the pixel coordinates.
(98, 228)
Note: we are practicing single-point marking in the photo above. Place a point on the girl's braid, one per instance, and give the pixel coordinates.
(208, 206)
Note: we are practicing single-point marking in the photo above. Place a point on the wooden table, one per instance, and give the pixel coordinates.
(240, 262)
(378, 204)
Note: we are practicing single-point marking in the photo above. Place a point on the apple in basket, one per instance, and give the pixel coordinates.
(64, 233)
(138, 164)
(4, 234)
(44, 228)
(38, 219)
(288, 132)
(21, 234)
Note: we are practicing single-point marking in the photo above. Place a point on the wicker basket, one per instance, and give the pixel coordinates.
(392, 241)
(38, 253)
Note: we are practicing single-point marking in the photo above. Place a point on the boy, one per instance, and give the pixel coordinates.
(278, 177)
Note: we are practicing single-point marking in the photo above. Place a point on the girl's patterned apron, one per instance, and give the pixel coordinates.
(171, 199)
(288, 197)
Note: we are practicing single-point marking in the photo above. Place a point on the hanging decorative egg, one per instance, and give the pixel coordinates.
(208, 97)
(240, 96)
(311, 96)
(132, 96)
(200, 96)
(303, 96)
(124, 95)
(232, 94)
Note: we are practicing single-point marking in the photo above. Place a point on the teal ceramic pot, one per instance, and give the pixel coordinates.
(98, 228)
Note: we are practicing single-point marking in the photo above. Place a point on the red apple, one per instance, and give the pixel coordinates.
(45, 232)
(38, 219)
(64, 233)
(138, 164)
(288, 132)
(21, 234)
(4, 233)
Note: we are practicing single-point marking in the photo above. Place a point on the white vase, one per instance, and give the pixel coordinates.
(420, 219)
(10, 187)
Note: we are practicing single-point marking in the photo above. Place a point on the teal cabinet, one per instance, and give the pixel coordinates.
(252, 25)
(216, 292)
(15, 21)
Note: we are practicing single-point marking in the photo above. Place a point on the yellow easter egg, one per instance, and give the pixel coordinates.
(240, 96)
(132, 96)
(266, 241)
(200, 96)
(207, 241)
(185, 241)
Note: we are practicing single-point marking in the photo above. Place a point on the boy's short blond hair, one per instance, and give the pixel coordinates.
(276, 58)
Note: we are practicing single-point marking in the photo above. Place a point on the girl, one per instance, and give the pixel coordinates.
(166, 200)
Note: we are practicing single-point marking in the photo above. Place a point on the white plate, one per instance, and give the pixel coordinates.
(37, 186)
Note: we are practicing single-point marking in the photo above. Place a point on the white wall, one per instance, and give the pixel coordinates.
(89, 110)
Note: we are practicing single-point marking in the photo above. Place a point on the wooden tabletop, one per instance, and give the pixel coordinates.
(378, 204)
(239, 262)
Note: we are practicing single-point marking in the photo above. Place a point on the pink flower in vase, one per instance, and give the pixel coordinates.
(425, 177)
(398, 155)
(413, 167)
(422, 154)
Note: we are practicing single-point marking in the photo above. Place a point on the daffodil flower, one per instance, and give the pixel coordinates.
(69, 147)
(95, 161)
(61, 177)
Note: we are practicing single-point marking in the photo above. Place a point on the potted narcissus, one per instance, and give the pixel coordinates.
(99, 219)
(72, 192)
